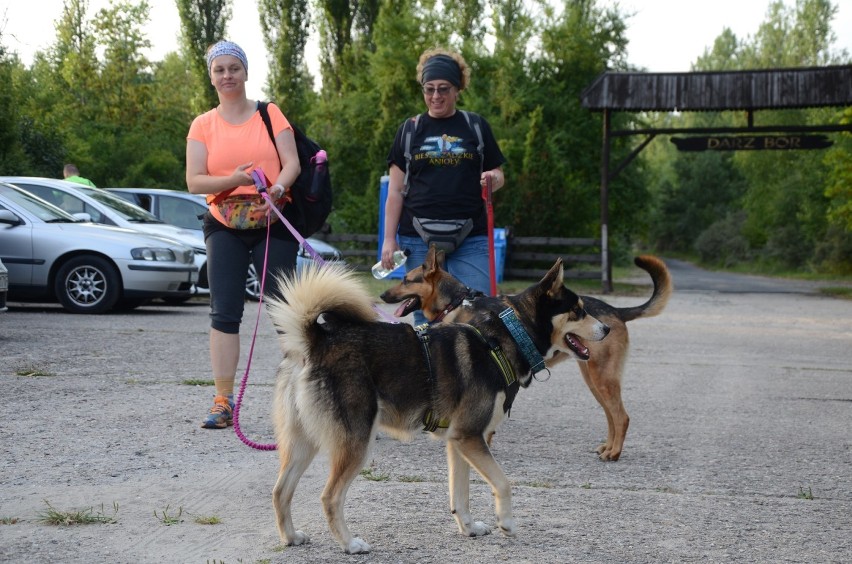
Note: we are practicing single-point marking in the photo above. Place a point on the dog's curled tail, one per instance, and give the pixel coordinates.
(663, 288)
(330, 288)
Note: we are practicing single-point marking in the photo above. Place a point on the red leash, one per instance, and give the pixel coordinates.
(487, 195)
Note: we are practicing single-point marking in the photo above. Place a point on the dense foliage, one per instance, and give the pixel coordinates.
(93, 98)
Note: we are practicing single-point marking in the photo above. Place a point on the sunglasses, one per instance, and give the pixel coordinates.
(442, 90)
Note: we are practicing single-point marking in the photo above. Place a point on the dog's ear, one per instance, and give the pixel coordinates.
(552, 282)
(440, 258)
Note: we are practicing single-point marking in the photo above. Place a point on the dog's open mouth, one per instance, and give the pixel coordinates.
(406, 307)
(575, 344)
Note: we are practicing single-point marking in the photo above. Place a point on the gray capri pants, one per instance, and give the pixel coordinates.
(228, 254)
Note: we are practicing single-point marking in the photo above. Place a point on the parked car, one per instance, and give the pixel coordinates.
(4, 286)
(186, 210)
(105, 208)
(88, 268)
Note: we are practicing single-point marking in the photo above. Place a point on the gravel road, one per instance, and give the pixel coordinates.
(738, 449)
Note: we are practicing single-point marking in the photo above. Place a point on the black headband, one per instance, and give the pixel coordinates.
(442, 67)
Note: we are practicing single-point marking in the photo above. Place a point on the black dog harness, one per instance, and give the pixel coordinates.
(430, 422)
(468, 296)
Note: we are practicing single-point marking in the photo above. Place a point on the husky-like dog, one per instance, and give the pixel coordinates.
(346, 376)
(444, 298)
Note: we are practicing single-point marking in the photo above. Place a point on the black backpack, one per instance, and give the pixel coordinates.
(312, 189)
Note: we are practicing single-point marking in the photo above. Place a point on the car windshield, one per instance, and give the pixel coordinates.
(130, 212)
(33, 204)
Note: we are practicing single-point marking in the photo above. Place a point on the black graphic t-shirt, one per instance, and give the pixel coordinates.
(445, 170)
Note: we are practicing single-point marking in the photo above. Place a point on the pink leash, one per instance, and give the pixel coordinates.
(261, 182)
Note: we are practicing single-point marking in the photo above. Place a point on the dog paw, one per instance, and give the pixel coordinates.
(357, 546)
(299, 538)
(609, 456)
(507, 527)
(478, 529)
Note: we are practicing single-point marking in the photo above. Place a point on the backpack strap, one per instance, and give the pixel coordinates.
(264, 115)
(476, 126)
(408, 132)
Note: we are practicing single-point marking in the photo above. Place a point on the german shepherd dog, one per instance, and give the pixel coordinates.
(442, 297)
(346, 375)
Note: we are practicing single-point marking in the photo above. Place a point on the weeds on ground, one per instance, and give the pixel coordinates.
(53, 516)
(207, 520)
(8, 520)
(369, 474)
(198, 383)
(805, 494)
(586, 486)
(537, 484)
(167, 519)
(837, 292)
(32, 372)
(412, 479)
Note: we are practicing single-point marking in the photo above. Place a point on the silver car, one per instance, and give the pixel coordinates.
(186, 210)
(52, 256)
(4, 286)
(106, 208)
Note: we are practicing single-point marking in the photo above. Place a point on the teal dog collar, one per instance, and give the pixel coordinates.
(523, 339)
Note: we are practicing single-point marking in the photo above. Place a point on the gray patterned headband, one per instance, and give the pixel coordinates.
(226, 48)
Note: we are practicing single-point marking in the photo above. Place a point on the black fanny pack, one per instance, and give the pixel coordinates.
(446, 234)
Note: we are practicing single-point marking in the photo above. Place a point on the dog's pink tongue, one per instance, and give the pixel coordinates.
(577, 345)
(400, 311)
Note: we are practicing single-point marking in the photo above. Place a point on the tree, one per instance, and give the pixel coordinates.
(286, 27)
(202, 24)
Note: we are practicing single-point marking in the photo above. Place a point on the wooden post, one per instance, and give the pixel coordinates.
(606, 264)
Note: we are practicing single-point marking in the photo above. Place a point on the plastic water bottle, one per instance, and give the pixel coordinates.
(319, 162)
(399, 258)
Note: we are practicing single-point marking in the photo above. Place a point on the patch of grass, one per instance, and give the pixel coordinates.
(805, 494)
(537, 484)
(207, 520)
(33, 372)
(53, 516)
(167, 519)
(369, 474)
(412, 479)
(842, 292)
(8, 520)
(666, 489)
(198, 383)
(586, 486)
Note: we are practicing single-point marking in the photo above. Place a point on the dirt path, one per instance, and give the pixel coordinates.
(740, 410)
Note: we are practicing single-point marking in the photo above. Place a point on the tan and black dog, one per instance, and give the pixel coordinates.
(443, 297)
(346, 376)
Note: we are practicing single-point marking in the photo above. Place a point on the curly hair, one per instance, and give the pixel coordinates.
(429, 53)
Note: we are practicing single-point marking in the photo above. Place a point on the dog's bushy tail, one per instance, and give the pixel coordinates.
(662, 289)
(331, 288)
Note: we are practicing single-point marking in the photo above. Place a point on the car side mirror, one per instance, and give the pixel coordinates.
(82, 216)
(9, 218)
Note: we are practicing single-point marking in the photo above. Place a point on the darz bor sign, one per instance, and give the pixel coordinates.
(752, 143)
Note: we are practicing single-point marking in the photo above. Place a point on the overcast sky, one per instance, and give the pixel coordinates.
(664, 35)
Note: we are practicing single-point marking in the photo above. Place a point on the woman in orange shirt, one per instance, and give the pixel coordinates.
(223, 147)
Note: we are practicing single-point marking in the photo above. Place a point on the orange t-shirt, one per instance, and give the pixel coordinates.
(229, 145)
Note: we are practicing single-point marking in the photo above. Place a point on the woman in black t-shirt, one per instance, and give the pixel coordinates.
(445, 175)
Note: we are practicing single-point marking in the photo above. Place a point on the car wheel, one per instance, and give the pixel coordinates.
(252, 284)
(87, 284)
